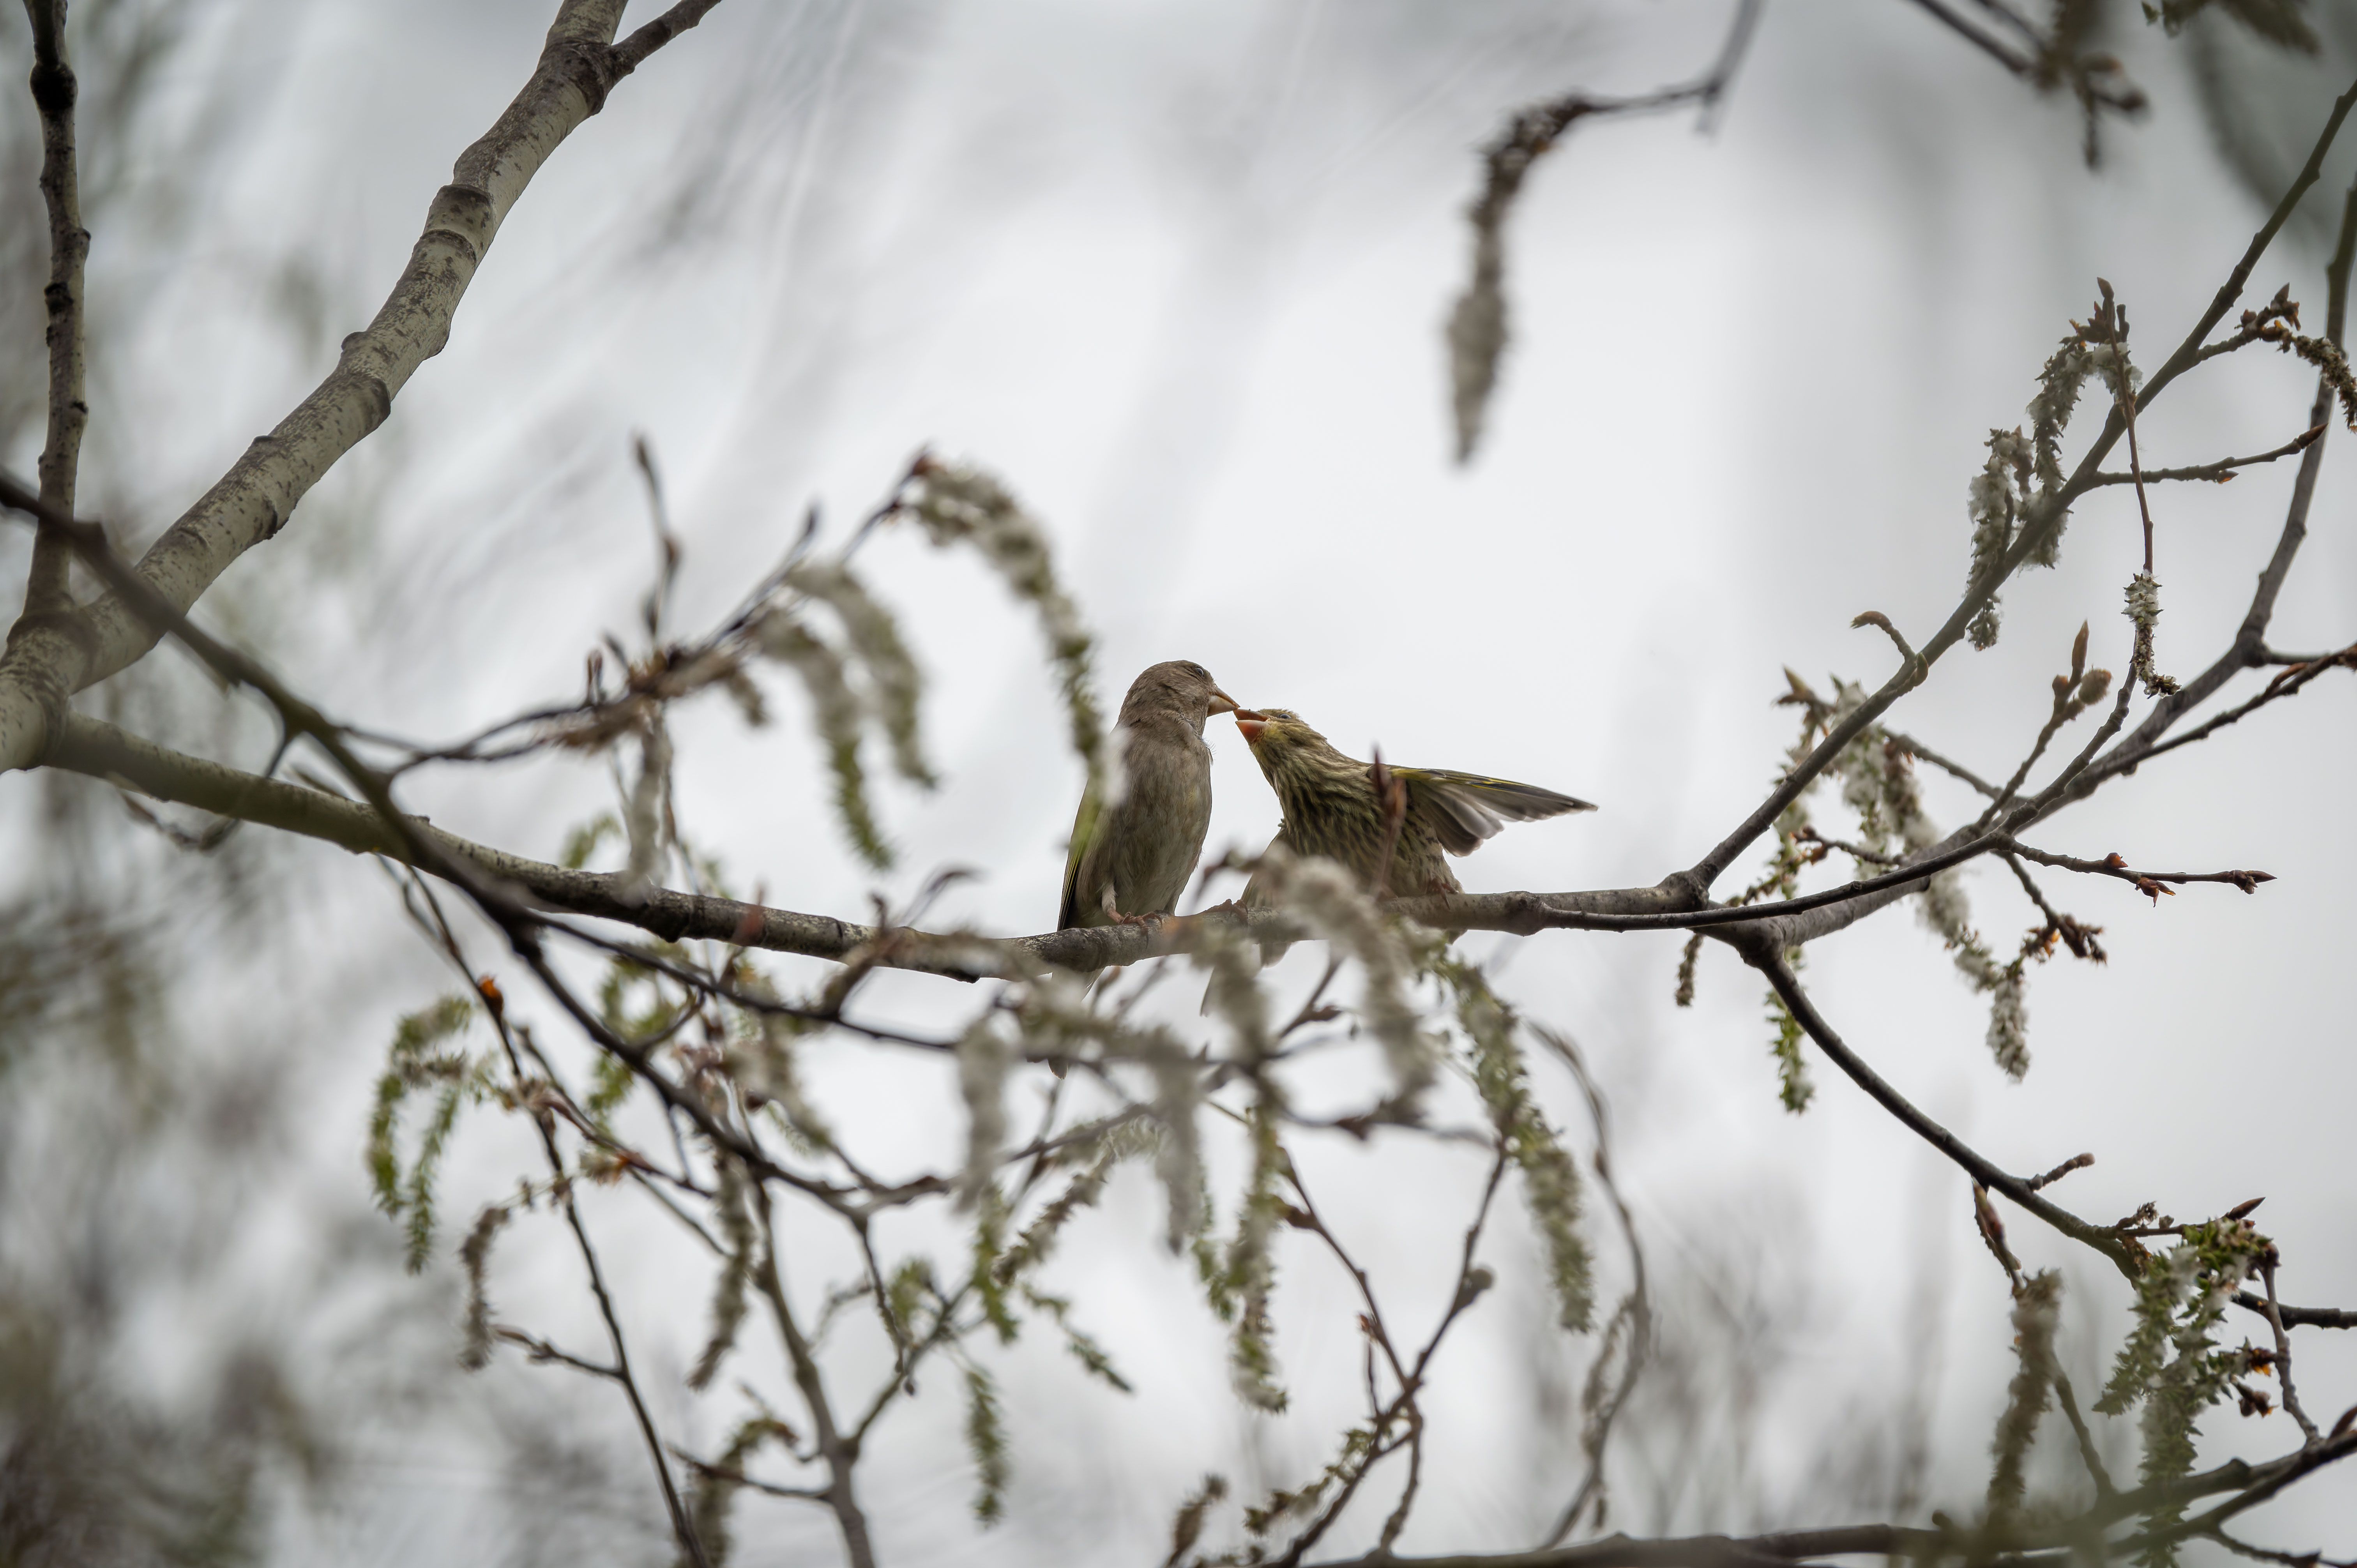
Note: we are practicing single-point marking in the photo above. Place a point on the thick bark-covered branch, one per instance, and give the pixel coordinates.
(253, 501)
(100, 750)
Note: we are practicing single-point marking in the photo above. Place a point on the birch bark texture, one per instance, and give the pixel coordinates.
(49, 659)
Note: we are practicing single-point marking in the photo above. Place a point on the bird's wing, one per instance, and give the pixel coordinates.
(1084, 829)
(1254, 897)
(1466, 808)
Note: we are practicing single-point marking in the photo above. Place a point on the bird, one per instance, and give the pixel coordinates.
(1130, 859)
(1332, 806)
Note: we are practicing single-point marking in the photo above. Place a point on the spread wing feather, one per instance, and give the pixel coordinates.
(1466, 808)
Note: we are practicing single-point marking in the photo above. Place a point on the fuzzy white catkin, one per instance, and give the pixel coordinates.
(893, 682)
(983, 1058)
(1327, 899)
(642, 818)
(953, 503)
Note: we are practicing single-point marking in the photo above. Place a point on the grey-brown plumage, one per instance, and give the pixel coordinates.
(1131, 860)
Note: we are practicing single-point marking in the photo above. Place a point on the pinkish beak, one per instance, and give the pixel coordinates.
(1222, 702)
(1250, 724)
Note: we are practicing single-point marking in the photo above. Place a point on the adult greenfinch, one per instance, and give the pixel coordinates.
(1132, 854)
(1334, 806)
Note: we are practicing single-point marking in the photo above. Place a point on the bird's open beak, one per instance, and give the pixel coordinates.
(1250, 724)
(1222, 702)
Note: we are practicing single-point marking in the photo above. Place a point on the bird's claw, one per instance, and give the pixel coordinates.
(1148, 921)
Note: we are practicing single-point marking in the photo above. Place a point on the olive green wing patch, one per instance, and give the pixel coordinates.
(1084, 829)
(1463, 809)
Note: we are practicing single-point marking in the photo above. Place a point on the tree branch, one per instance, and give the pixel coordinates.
(54, 91)
(562, 1190)
(1983, 1170)
(632, 51)
(1916, 748)
(100, 750)
(2019, 64)
(840, 1452)
(2034, 532)
(2299, 1316)
(2249, 649)
(47, 663)
(2222, 469)
(682, 1525)
(2113, 866)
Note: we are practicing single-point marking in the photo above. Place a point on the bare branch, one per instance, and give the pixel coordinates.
(619, 1370)
(2013, 59)
(840, 1453)
(2224, 468)
(253, 501)
(632, 51)
(2113, 866)
(2108, 1241)
(54, 91)
(681, 1524)
(2249, 649)
(2300, 1317)
(541, 1350)
(2035, 532)
(737, 1477)
(2132, 755)
(1916, 748)
(2283, 1350)
(1983, 1170)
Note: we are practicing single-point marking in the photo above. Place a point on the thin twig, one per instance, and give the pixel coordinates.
(2114, 867)
(541, 1350)
(2287, 684)
(2012, 60)
(737, 1477)
(2072, 694)
(1914, 747)
(1982, 1169)
(840, 1455)
(2283, 1351)
(2102, 1478)
(2219, 471)
(682, 1525)
(2035, 529)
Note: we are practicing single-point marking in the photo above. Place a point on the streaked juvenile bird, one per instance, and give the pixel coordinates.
(1332, 807)
(1130, 860)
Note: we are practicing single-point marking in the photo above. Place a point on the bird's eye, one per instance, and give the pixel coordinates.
(1194, 669)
